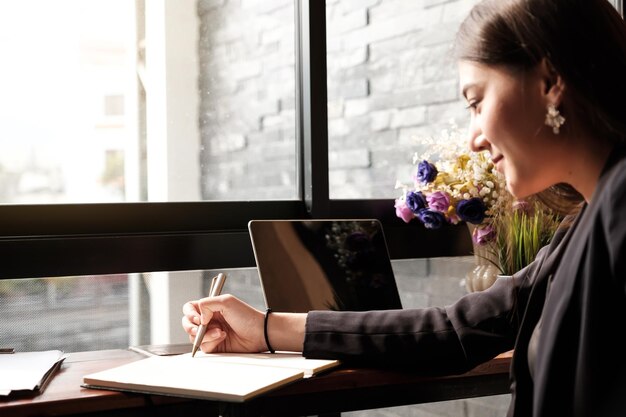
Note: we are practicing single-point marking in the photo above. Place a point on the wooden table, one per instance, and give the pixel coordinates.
(343, 389)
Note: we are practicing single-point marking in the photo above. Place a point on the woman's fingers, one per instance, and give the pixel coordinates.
(187, 325)
(206, 313)
(197, 312)
(192, 312)
(232, 325)
(212, 339)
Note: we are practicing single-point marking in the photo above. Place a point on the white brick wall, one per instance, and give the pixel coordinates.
(390, 77)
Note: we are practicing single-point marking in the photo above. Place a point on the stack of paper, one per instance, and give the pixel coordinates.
(28, 371)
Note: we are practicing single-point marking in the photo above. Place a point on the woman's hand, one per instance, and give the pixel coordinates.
(232, 325)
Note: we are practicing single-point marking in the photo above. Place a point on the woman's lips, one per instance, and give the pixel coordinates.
(496, 160)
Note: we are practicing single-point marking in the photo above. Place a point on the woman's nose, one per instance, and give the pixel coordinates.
(478, 142)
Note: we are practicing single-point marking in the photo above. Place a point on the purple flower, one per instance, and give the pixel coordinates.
(483, 235)
(438, 201)
(403, 211)
(523, 207)
(431, 219)
(415, 201)
(426, 172)
(472, 210)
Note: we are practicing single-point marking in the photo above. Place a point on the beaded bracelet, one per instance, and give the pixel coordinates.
(267, 340)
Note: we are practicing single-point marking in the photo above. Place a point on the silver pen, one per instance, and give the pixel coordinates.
(217, 283)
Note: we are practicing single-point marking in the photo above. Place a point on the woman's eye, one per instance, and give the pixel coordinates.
(472, 105)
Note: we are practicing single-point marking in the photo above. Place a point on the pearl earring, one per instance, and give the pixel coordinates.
(554, 118)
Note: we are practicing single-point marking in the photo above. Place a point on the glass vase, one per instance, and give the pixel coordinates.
(485, 272)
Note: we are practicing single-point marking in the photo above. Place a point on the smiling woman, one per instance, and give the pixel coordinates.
(506, 105)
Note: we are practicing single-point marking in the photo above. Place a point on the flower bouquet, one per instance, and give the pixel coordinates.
(453, 184)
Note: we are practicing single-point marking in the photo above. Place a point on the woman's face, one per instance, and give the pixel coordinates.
(507, 120)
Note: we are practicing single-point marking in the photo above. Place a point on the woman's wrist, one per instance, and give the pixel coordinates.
(285, 331)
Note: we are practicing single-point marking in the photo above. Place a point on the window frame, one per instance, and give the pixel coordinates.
(84, 239)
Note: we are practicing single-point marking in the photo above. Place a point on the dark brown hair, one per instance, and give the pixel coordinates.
(584, 40)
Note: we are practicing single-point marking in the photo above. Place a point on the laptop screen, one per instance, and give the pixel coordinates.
(324, 265)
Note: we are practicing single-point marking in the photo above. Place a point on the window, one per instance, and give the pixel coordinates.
(188, 106)
(141, 137)
(170, 192)
(94, 312)
(142, 113)
(216, 81)
(161, 129)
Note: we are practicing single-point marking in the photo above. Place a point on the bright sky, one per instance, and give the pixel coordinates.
(43, 84)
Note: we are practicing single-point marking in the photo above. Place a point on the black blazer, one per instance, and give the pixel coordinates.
(580, 362)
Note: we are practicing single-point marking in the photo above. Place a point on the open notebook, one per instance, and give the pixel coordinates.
(222, 376)
(337, 264)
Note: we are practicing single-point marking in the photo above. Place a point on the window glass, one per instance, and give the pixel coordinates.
(392, 81)
(64, 62)
(247, 106)
(69, 314)
(98, 312)
(83, 313)
(117, 100)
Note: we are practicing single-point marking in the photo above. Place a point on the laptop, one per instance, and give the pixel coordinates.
(338, 264)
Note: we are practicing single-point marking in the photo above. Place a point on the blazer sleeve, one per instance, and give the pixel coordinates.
(435, 340)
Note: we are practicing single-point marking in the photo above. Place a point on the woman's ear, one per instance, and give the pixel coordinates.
(553, 83)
